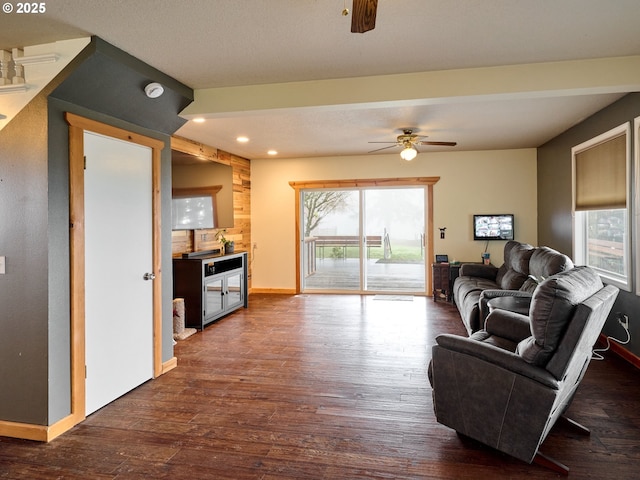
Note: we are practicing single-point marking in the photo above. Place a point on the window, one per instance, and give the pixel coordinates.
(601, 230)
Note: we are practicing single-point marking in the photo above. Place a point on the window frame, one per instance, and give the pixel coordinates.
(636, 199)
(624, 282)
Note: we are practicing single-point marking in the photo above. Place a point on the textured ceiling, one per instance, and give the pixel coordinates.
(225, 43)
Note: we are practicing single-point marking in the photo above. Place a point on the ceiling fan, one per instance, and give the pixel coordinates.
(364, 15)
(408, 142)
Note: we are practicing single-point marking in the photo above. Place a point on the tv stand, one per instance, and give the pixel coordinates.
(212, 286)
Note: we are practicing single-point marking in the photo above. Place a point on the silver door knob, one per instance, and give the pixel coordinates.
(149, 276)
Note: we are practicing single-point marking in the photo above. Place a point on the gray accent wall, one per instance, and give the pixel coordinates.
(104, 84)
(24, 302)
(554, 199)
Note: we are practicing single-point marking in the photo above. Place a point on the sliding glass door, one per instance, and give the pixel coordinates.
(331, 233)
(394, 229)
(363, 240)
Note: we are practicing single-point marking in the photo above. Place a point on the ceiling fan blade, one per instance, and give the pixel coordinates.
(442, 144)
(363, 17)
(383, 148)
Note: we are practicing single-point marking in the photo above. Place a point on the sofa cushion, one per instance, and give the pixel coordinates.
(505, 265)
(500, 275)
(517, 261)
(473, 284)
(478, 270)
(512, 280)
(545, 262)
(552, 307)
(519, 257)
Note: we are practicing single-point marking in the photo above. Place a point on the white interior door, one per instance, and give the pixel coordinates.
(118, 253)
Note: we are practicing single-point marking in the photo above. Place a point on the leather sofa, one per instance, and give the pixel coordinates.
(507, 385)
(523, 268)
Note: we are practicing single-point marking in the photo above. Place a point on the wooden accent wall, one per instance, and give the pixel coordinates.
(188, 241)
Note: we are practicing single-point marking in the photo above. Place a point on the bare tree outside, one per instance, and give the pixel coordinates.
(318, 205)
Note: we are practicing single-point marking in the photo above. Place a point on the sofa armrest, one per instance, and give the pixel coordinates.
(494, 293)
(487, 295)
(501, 358)
(510, 325)
(478, 270)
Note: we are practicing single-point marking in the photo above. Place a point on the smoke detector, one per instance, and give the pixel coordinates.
(154, 90)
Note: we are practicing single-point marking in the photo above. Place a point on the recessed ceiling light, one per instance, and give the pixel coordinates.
(272, 152)
(198, 120)
(242, 139)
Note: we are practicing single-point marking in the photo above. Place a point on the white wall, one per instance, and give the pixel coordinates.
(38, 75)
(502, 181)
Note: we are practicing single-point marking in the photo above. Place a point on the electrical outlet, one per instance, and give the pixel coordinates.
(3, 263)
(255, 245)
(623, 320)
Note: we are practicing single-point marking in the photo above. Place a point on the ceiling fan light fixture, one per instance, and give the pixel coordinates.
(408, 153)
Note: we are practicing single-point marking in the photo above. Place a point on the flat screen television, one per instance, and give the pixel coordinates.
(493, 227)
(192, 213)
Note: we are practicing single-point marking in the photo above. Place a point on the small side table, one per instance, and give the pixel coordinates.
(513, 304)
(440, 280)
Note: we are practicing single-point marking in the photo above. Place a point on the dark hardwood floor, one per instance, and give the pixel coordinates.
(320, 387)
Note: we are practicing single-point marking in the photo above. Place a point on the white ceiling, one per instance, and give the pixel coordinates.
(213, 44)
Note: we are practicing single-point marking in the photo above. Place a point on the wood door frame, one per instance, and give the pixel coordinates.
(426, 182)
(77, 126)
